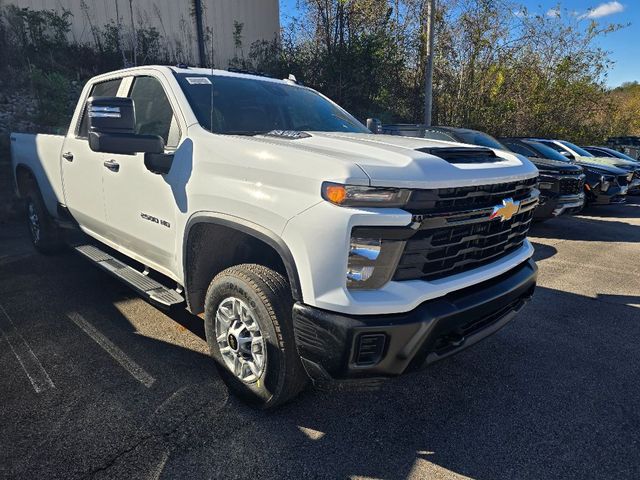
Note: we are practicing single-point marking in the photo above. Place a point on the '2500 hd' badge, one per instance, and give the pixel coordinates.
(157, 220)
(505, 211)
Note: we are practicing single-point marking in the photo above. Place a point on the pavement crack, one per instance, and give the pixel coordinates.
(144, 439)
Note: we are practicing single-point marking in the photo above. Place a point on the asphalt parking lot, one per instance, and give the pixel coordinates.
(94, 382)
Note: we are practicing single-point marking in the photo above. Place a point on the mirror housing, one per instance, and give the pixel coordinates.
(111, 115)
(112, 124)
(375, 125)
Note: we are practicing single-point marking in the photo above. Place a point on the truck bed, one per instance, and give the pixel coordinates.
(40, 154)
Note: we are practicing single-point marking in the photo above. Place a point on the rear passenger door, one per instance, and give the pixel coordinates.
(141, 206)
(82, 168)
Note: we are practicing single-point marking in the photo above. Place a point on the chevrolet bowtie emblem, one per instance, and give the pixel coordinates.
(505, 211)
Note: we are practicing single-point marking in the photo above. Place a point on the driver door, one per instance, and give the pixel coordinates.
(141, 207)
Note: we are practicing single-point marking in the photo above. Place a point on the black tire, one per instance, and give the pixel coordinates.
(268, 295)
(45, 235)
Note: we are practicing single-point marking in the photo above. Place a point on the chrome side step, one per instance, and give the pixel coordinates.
(152, 290)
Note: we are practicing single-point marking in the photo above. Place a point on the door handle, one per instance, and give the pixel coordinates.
(112, 165)
(68, 156)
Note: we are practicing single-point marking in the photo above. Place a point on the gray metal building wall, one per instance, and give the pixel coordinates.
(175, 21)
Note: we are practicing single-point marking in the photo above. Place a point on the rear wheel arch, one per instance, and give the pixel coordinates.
(213, 243)
(25, 180)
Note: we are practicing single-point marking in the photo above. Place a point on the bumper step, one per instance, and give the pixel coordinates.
(149, 288)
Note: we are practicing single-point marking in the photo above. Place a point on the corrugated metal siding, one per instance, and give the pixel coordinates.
(174, 21)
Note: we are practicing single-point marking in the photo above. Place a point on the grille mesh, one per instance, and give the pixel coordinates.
(437, 252)
(466, 198)
(571, 186)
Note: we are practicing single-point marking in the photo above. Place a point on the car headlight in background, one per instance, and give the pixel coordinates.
(372, 261)
(358, 196)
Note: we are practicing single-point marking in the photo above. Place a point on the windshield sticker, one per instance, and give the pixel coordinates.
(198, 81)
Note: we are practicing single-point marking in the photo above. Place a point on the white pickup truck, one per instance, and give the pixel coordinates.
(310, 247)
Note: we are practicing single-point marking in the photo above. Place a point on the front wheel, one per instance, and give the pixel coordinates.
(250, 335)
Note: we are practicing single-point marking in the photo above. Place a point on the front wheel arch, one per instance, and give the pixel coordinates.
(243, 241)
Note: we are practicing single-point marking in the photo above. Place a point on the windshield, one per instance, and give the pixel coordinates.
(546, 152)
(244, 106)
(481, 139)
(577, 149)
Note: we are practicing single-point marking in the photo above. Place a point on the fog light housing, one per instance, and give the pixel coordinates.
(372, 261)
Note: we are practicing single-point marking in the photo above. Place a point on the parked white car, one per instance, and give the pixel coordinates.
(310, 247)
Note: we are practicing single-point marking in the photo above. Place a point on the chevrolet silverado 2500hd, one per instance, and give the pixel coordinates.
(310, 247)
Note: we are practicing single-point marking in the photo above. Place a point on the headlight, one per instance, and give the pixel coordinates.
(372, 261)
(357, 196)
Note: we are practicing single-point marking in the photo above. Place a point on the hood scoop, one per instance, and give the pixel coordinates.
(459, 155)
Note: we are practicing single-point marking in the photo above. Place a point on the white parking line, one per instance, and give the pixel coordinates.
(118, 355)
(36, 373)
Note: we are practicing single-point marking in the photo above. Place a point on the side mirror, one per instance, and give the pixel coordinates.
(375, 125)
(112, 124)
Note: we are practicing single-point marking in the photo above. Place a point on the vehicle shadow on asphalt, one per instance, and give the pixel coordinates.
(99, 411)
(553, 395)
(543, 251)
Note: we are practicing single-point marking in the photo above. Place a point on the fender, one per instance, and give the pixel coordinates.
(252, 229)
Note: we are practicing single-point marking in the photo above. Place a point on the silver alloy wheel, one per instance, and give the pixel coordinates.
(239, 339)
(34, 222)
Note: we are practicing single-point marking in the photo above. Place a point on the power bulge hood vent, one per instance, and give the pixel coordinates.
(460, 155)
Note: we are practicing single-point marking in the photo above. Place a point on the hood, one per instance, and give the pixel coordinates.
(611, 161)
(603, 169)
(547, 164)
(395, 161)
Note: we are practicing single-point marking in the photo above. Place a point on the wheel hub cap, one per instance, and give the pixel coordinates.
(240, 340)
(233, 342)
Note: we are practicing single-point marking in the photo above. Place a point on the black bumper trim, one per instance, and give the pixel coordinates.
(436, 329)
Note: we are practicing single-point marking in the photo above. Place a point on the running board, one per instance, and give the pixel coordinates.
(147, 287)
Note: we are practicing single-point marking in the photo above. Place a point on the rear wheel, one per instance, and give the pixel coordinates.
(45, 234)
(250, 335)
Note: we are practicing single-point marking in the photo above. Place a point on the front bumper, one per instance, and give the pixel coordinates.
(614, 195)
(554, 206)
(336, 346)
(634, 187)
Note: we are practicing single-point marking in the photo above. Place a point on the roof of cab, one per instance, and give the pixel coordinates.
(199, 71)
(226, 73)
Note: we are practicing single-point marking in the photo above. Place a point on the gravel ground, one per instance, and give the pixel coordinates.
(119, 389)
